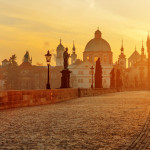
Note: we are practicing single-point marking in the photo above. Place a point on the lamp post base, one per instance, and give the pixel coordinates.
(48, 86)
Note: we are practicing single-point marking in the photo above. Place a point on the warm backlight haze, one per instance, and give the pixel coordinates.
(38, 25)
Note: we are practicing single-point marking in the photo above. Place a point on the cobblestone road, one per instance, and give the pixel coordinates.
(143, 140)
(112, 121)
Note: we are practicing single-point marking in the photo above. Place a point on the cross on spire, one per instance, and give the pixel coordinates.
(122, 43)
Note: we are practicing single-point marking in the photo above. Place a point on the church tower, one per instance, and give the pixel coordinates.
(59, 58)
(142, 50)
(122, 58)
(73, 55)
(148, 51)
(143, 56)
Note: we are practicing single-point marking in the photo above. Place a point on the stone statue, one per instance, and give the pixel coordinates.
(65, 79)
(66, 57)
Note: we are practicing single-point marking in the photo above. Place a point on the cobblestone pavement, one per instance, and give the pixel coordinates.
(108, 122)
(143, 140)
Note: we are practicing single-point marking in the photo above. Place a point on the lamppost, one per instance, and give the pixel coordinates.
(92, 71)
(48, 59)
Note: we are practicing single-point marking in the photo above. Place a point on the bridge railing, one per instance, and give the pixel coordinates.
(12, 99)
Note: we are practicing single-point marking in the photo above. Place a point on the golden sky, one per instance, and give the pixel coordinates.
(29, 24)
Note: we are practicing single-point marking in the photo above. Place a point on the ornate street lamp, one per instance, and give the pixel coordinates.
(92, 71)
(48, 59)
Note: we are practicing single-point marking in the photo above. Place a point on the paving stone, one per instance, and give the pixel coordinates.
(111, 121)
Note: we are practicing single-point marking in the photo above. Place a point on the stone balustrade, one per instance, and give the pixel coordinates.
(12, 99)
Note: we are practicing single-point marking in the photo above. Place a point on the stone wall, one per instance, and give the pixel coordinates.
(94, 92)
(11, 99)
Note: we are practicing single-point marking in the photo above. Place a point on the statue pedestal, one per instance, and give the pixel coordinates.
(65, 79)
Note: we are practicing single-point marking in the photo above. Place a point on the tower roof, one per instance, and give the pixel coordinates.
(122, 49)
(98, 33)
(142, 49)
(135, 55)
(60, 46)
(73, 47)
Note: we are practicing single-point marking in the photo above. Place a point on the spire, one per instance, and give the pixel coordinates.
(135, 47)
(73, 55)
(148, 42)
(142, 49)
(142, 44)
(148, 36)
(122, 43)
(122, 49)
(60, 41)
(73, 49)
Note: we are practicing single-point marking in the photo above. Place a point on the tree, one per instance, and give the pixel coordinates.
(12, 60)
(98, 74)
(112, 78)
(12, 74)
(119, 82)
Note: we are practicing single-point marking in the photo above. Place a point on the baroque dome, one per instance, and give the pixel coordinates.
(97, 44)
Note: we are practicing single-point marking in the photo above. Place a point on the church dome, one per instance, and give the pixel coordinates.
(97, 44)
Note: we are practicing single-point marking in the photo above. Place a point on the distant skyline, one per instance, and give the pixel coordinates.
(38, 25)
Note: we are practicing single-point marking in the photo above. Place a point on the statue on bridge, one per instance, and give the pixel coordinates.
(66, 57)
(65, 79)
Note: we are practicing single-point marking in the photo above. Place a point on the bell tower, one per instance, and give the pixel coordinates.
(73, 55)
(122, 58)
(59, 58)
(143, 56)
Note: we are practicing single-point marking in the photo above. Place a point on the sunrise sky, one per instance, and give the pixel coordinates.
(29, 24)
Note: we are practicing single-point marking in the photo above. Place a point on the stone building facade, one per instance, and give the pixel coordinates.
(96, 48)
(136, 75)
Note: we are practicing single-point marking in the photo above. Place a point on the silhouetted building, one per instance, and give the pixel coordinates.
(119, 83)
(59, 57)
(148, 51)
(135, 76)
(112, 78)
(133, 59)
(27, 76)
(5, 62)
(122, 58)
(73, 55)
(95, 48)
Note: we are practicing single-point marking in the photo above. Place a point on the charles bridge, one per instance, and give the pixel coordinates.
(74, 119)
